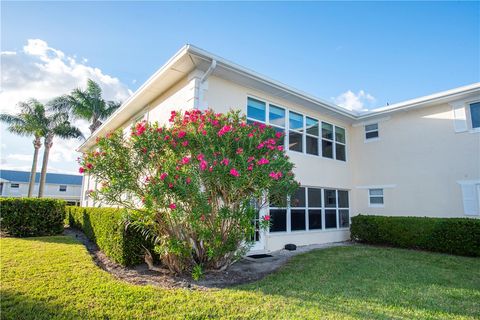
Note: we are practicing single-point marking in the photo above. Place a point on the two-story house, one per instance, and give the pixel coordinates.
(416, 158)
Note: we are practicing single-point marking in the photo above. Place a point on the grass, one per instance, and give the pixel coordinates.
(55, 278)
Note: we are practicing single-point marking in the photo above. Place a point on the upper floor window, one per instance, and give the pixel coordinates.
(301, 132)
(475, 114)
(333, 142)
(371, 131)
(62, 188)
(14, 185)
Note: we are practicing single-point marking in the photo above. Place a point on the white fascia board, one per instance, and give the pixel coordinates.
(425, 100)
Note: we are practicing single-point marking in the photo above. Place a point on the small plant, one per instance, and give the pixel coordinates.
(197, 272)
(191, 184)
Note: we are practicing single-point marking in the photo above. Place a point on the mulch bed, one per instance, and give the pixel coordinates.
(241, 272)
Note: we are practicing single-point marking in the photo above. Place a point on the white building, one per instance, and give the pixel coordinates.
(60, 186)
(416, 158)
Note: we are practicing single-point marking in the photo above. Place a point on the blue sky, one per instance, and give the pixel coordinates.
(381, 52)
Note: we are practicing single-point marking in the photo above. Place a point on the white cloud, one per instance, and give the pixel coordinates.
(20, 157)
(42, 72)
(359, 101)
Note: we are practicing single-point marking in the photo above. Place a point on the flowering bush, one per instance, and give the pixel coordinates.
(193, 183)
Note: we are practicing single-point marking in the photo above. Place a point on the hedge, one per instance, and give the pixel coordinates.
(106, 227)
(460, 236)
(29, 217)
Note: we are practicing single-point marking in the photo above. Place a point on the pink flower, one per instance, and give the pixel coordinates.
(234, 172)
(140, 128)
(210, 169)
(185, 143)
(163, 176)
(173, 206)
(239, 151)
(278, 135)
(204, 132)
(202, 217)
(275, 175)
(263, 161)
(203, 165)
(280, 148)
(89, 166)
(250, 159)
(225, 161)
(185, 160)
(181, 134)
(224, 130)
(200, 157)
(188, 180)
(170, 185)
(250, 135)
(266, 218)
(260, 146)
(250, 168)
(81, 170)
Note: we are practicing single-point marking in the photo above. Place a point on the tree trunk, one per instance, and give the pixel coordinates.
(37, 144)
(43, 175)
(95, 125)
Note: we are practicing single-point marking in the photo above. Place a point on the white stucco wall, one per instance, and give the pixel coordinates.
(421, 158)
(51, 191)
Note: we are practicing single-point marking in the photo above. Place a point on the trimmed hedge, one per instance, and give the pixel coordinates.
(106, 227)
(460, 236)
(30, 217)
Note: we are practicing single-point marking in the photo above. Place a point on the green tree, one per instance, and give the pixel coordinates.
(191, 185)
(87, 104)
(55, 124)
(29, 122)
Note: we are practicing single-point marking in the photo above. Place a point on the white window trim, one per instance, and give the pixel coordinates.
(365, 131)
(462, 119)
(12, 185)
(303, 132)
(476, 191)
(60, 188)
(376, 205)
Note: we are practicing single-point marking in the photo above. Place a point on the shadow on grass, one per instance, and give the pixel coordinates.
(370, 282)
(18, 306)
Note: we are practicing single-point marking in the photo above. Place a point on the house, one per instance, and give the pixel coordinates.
(60, 186)
(420, 157)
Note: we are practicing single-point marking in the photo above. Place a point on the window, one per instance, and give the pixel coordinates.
(302, 132)
(295, 136)
(256, 110)
(14, 186)
(62, 188)
(312, 136)
(305, 211)
(471, 197)
(333, 142)
(375, 197)
(371, 131)
(475, 115)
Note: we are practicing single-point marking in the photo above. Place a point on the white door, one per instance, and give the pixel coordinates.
(259, 234)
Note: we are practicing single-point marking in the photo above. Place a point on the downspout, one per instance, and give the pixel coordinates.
(201, 86)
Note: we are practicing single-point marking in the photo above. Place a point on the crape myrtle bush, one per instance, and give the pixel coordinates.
(195, 181)
(460, 236)
(28, 217)
(107, 228)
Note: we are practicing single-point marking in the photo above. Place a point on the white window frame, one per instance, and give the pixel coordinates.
(376, 205)
(372, 130)
(60, 188)
(307, 208)
(14, 185)
(303, 132)
(468, 106)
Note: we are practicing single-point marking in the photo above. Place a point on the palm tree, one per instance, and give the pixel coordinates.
(87, 104)
(29, 122)
(56, 124)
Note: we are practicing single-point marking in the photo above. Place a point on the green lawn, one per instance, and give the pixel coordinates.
(54, 277)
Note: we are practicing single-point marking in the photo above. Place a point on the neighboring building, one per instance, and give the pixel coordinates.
(60, 186)
(416, 158)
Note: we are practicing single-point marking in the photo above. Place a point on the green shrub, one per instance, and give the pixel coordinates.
(459, 236)
(107, 228)
(28, 217)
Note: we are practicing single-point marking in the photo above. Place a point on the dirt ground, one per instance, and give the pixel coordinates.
(243, 271)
